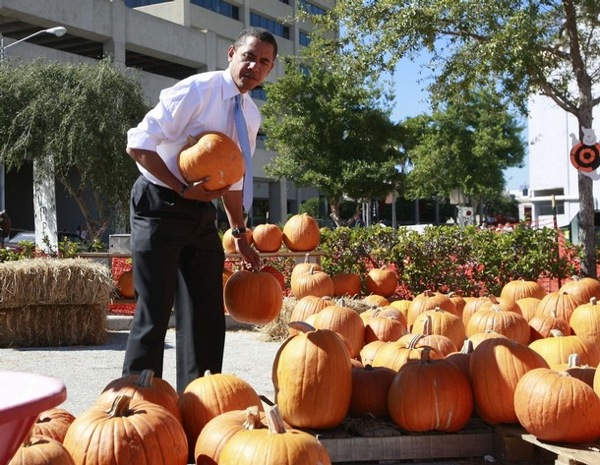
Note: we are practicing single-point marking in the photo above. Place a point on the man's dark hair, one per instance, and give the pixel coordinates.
(258, 33)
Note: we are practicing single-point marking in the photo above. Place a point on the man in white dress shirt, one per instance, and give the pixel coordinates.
(177, 253)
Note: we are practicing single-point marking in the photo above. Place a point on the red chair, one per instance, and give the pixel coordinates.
(23, 396)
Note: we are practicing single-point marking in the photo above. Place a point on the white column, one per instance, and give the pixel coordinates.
(44, 205)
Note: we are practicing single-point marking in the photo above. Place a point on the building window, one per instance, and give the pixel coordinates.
(270, 25)
(545, 208)
(304, 38)
(219, 6)
(311, 8)
(258, 93)
(138, 3)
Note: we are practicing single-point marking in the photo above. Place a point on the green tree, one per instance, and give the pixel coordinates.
(548, 47)
(331, 133)
(76, 115)
(465, 143)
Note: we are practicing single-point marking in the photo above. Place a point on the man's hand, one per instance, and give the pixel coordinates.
(249, 255)
(196, 191)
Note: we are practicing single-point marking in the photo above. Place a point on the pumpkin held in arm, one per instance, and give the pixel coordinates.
(585, 154)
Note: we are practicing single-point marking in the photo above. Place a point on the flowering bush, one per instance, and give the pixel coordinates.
(450, 258)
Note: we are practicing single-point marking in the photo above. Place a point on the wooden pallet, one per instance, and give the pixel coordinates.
(380, 440)
(565, 454)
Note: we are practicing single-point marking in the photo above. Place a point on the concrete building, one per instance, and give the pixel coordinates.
(553, 186)
(168, 40)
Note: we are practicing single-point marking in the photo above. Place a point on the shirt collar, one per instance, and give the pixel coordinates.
(230, 90)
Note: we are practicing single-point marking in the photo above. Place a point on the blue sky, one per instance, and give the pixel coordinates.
(411, 100)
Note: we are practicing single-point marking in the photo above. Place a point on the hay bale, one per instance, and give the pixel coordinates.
(52, 325)
(54, 281)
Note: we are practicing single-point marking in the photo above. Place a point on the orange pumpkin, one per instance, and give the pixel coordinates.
(221, 428)
(428, 300)
(370, 386)
(96, 437)
(520, 289)
(142, 386)
(253, 297)
(313, 379)
(345, 321)
(381, 281)
(53, 423)
(585, 321)
(441, 322)
(41, 450)
(211, 395)
(582, 288)
(125, 284)
(430, 395)
(495, 368)
(276, 445)
(267, 237)
(229, 241)
(554, 406)
(213, 155)
(315, 282)
(346, 284)
(301, 233)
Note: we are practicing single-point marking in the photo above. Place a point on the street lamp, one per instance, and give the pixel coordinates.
(58, 31)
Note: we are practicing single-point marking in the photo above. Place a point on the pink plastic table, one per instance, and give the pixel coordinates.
(23, 396)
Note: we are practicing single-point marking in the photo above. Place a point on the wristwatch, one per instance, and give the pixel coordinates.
(237, 232)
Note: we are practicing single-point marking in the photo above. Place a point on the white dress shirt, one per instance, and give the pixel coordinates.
(200, 103)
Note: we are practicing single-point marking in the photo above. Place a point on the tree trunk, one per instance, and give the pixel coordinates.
(334, 206)
(587, 230)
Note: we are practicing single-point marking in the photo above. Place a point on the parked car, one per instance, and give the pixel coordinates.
(14, 242)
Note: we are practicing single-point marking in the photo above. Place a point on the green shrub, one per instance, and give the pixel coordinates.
(449, 258)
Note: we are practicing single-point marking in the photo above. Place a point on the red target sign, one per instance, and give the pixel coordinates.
(585, 157)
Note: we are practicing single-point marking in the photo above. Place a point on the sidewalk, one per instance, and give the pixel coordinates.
(86, 370)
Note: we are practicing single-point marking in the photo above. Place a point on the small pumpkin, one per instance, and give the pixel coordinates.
(41, 450)
(301, 233)
(53, 423)
(213, 155)
(267, 237)
(228, 240)
(370, 386)
(381, 281)
(346, 284)
(315, 282)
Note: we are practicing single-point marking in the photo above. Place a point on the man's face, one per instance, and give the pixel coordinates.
(250, 63)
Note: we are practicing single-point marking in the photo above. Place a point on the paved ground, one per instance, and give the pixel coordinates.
(85, 370)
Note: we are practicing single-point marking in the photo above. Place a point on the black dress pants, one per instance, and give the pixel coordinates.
(177, 259)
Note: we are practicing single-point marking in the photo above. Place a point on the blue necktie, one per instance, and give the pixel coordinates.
(242, 130)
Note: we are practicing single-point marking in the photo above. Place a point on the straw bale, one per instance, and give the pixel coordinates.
(54, 281)
(52, 325)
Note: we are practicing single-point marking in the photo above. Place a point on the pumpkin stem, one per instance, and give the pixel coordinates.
(574, 361)
(426, 354)
(274, 420)
(412, 344)
(467, 347)
(120, 407)
(301, 326)
(252, 418)
(145, 379)
(556, 333)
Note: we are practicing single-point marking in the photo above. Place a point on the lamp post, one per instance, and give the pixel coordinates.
(58, 31)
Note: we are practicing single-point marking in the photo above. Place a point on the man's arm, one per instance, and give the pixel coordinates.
(151, 161)
(232, 201)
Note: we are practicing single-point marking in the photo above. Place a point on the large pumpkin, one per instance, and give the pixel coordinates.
(313, 379)
(554, 406)
(276, 445)
(428, 300)
(253, 297)
(142, 386)
(495, 368)
(582, 288)
(345, 321)
(430, 395)
(211, 395)
(315, 282)
(213, 155)
(521, 288)
(153, 436)
(301, 233)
